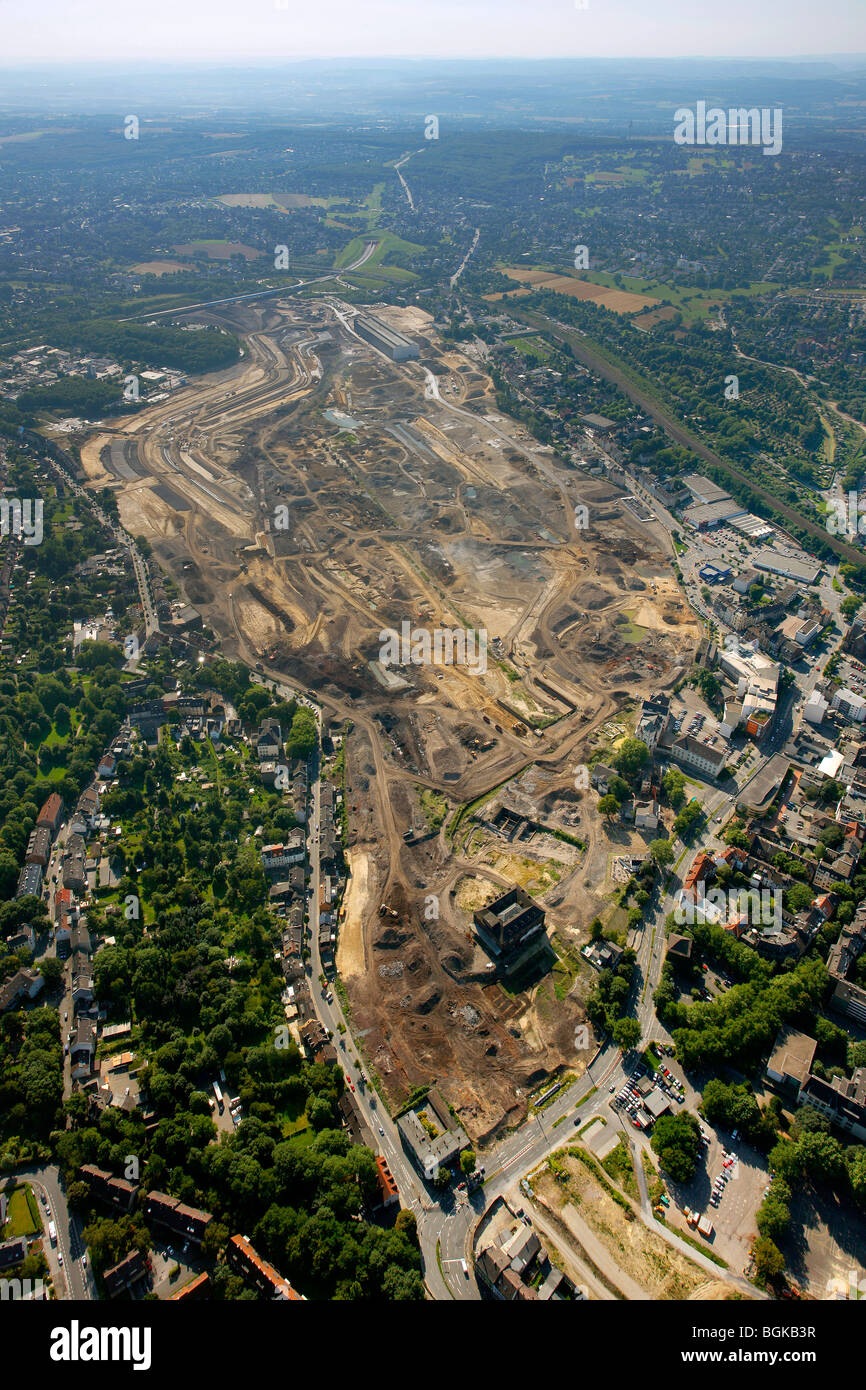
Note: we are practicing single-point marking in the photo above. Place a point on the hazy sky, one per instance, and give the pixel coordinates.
(232, 30)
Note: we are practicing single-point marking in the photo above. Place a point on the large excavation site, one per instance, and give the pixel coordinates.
(319, 493)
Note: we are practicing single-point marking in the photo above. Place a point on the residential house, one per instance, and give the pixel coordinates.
(115, 1192)
(24, 985)
(269, 740)
(12, 1252)
(29, 881)
(51, 815)
(241, 1256)
(601, 777)
(123, 1277)
(188, 1223)
(38, 846)
(646, 815)
(388, 1194)
(653, 720)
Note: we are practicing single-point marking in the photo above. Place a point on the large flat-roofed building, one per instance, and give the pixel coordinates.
(774, 562)
(850, 704)
(511, 929)
(840, 1100)
(703, 489)
(712, 513)
(757, 793)
(393, 344)
(791, 1060)
(599, 423)
(707, 755)
(431, 1134)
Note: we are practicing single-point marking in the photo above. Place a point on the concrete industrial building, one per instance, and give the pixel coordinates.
(511, 929)
(431, 1135)
(804, 571)
(393, 344)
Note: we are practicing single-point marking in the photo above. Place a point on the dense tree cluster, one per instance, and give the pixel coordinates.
(677, 1141)
(607, 1001)
(31, 1075)
(739, 1027)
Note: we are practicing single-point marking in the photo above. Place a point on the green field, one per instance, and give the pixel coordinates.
(22, 1214)
(630, 631)
(534, 347)
(693, 304)
(390, 247)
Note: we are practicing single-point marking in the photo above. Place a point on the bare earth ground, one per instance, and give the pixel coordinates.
(351, 960)
(619, 301)
(638, 1263)
(443, 514)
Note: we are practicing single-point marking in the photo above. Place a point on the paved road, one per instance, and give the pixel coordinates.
(71, 1279)
(257, 294)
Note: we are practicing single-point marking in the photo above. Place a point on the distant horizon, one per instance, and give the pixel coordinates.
(221, 32)
(252, 60)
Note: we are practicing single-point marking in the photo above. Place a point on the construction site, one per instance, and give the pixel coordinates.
(320, 493)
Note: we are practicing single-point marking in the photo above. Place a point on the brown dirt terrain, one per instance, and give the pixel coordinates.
(442, 516)
(570, 1190)
(619, 301)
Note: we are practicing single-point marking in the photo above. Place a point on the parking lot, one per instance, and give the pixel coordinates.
(732, 1212)
(852, 674)
(824, 1247)
(631, 1100)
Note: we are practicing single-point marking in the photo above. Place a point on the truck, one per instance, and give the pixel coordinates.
(52, 1232)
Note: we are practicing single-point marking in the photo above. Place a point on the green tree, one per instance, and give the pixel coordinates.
(769, 1260)
(303, 735)
(661, 851)
(626, 1033)
(773, 1217)
(51, 970)
(630, 757)
(677, 1141)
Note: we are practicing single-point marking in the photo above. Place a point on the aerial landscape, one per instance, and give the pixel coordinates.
(433, 666)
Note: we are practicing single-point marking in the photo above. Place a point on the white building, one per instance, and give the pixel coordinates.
(815, 708)
(853, 706)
